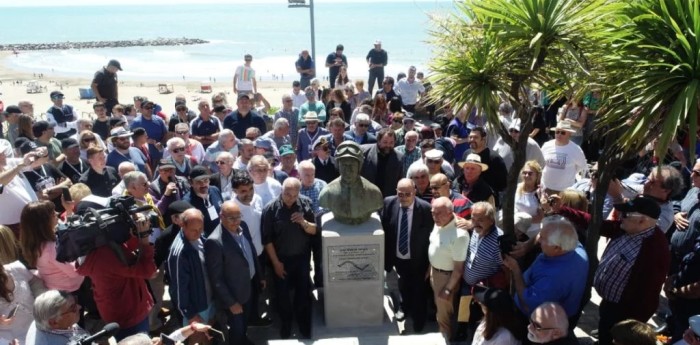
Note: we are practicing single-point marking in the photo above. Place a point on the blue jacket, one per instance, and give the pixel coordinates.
(187, 288)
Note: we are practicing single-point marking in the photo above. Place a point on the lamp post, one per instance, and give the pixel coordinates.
(310, 5)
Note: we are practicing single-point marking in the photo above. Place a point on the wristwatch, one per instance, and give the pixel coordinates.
(447, 291)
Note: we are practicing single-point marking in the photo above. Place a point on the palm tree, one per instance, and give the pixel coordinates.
(494, 49)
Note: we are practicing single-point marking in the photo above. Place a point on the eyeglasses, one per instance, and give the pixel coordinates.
(538, 327)
(363, 125)
(631, 214)
(561, 132)
(696, 172)
(404, 195)
(221, 162)
(182, 132)
(178, 150)
(437, 187)
(433, 161)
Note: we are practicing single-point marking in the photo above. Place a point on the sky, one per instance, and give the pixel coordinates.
(34, 3)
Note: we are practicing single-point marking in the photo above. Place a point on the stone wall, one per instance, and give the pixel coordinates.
(103, 44)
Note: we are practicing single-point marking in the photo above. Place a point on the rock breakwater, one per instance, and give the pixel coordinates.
(103, 44)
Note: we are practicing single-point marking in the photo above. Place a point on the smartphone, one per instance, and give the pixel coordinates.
(217, 334)
(66, 194)
(166, 340)
(13, 312)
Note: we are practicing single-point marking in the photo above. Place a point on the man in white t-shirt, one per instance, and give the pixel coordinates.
(563, 159)
(244, 79)
(15, 190)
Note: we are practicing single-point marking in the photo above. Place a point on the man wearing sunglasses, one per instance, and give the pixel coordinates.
(563, 159)
(549, 325)
(634, 265)
(358, 132)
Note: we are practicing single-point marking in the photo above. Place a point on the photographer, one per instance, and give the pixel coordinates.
(167, 187)
(15, 190)
(120, 289)
(46, 180)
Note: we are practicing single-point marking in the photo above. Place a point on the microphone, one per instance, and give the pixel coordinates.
(107, 331)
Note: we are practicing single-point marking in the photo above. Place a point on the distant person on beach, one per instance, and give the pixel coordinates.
(376, 59)
(306, 68)
(105, 85)
(244, 79)
(334, 61)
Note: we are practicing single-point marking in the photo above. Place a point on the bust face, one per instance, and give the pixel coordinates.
(349, 169)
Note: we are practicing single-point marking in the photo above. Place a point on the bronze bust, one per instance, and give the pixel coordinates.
(350, 197)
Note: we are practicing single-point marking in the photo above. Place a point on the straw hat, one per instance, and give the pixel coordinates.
(475, 159)
(564, 126)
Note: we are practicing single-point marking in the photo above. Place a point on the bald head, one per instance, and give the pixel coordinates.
(551, 320)
(230, 206)
(440, 185)
(125, 167)
(443, 211)
(192, 224)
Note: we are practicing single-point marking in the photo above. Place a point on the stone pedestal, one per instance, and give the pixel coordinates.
(353, 272)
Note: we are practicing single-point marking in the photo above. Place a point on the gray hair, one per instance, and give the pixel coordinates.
(306, 165)
(243, 143)
(291, 182)
(225, 154)
(133, 177)
(505, 108)
(174, 140)
(225, 134)
(125, 167)
(280, 123)
(561, 232)
(47, 306)
(257, 160)
(672, 180)
(415, 169)
(490, 210)
(136, 339)
(362, 117)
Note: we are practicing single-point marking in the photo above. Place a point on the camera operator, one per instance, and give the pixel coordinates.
(120, 289)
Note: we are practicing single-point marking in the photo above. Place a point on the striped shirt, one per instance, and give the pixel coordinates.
(616, 265)
(484, 256)
(408, 157)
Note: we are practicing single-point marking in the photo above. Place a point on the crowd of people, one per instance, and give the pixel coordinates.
(234, 223)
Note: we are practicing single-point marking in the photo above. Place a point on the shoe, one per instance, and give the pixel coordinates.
(662, 329)
(260, 322)
(399, 315)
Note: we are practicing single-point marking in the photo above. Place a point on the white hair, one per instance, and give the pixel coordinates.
(47, 306)
(416, 169)
(174, 140)
(280, 123)
(362, 117)
(561, 233)
(225, 134)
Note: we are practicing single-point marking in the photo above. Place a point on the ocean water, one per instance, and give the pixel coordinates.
(272, 33)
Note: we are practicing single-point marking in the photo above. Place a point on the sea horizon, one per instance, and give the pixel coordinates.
(274, 35)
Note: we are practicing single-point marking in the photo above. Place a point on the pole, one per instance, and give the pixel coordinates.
(313, 33)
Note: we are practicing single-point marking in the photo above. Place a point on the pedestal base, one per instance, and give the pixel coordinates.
(353, 275)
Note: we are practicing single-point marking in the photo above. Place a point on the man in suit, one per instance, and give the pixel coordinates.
(382, 165)
(222, 179)
(205, 198)
(407, 224)
(233, 270)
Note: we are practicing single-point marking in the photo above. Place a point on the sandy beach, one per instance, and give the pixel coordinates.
(12, 93)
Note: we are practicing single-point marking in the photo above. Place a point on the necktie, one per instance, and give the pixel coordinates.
(403, 232)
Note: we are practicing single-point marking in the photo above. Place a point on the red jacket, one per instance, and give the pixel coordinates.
(120, 291)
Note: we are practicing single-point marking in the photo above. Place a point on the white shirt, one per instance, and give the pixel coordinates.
(15, 195)
(252, 216)
(447, 245)
(562, 163)
(502, 336)
(239, 165)
(409, 214)
(299, 99)
(268, 190)
(409, 90)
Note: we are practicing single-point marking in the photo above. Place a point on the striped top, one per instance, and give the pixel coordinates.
(484, 256)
